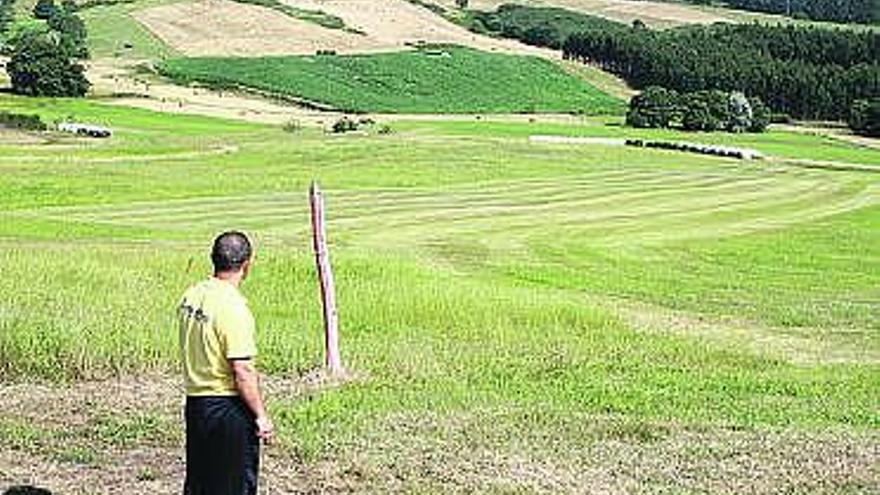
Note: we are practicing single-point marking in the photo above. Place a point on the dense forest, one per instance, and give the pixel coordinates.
(539, 26)
(808, 73)
(861, 11)
(805, 72)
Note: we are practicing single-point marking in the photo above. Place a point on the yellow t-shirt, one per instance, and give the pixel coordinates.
(215, 325)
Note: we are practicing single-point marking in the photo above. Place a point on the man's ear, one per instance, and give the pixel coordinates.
(246, 268)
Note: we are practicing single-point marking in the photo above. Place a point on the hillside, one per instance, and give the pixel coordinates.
(227, 28)
(439, 79)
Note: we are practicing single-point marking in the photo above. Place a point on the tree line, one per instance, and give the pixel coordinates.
(713, 110)
(805, 72)
(539, 26)
(849, 11)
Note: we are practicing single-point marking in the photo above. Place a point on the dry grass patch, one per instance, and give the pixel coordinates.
(395, 23)
(221, 27)
(226, 28)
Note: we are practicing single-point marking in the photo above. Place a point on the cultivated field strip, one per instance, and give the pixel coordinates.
(605, 206)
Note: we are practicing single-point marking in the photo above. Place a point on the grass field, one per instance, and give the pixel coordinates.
(441, 80)
(518, 317)
(114, 33)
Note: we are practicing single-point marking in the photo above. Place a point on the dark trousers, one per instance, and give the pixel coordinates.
(222, 448)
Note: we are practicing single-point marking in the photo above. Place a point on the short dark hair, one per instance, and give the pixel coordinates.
(231, 250)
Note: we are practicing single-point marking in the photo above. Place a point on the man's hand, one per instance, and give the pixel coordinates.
(265, 429)
(247, 383)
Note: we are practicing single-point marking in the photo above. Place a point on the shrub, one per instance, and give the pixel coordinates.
(292, 125)
(760, 115)
(345, 124)
(22, 121)
(864, 117)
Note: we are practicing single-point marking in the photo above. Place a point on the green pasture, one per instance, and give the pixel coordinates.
(494, 293)
(115, 33)
(441, 79)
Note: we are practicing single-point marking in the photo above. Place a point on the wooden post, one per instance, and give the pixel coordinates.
(325, 279)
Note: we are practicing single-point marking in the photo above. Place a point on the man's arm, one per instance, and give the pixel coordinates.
(247, 382)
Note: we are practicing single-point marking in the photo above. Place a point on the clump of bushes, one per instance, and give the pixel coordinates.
(864, 117)
(345, 124)
(713, 110)
(21, 121)
(348, 124)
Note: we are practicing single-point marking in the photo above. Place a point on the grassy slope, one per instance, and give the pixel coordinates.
(463, 81)
(111, 27)
(466, 259)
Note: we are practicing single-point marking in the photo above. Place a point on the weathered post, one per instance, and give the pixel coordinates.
(325, 279)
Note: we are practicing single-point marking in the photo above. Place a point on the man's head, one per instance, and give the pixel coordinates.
(231, 253)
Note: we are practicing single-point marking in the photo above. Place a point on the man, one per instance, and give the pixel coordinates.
(225, 415)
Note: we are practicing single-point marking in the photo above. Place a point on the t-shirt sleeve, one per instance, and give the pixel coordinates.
(236, 327)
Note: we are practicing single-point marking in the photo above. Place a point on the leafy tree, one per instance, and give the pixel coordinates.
(72, 32)
(761, 115)
(740, 111)
(653, 107)
(20, 30)
(462, 4)
(44, 9)
(40, 67)
(705, 111)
